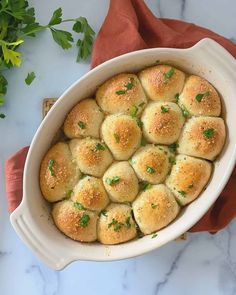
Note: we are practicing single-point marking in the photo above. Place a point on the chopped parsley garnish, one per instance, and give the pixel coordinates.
(50, 167)
(164, 109)
(127, 222)
(119, 92)
(130, 84)
(200, 96)
(100, 147)
(30, 78)
(141, 104)
(103, 212)
(84, 220)
(131, 161)
(143, 141)
(2, 116)
(116, 225)
(133, 111)
(117, 137)
(170, 73)
(190, 186)
(185, 112)
(150, 170)
(154, 236)
(153, 206)
(173, 147)
(79, 206)
(82, 125)
(139, 122)
(176, 97)
(69, 193)
(172, 160)
(144, 185)
(183, 193)
(208, 133)
(113, 180)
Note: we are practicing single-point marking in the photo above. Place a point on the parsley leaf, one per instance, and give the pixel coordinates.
(143, 141)
(182, 193)
(56, 17)
(154, 236)
(62, 38)
(172, 160)
(144, 185)
(100, 147)
(117, 137)
(150, 170)
(164, 109)
(173, 147)
(200, 96)
(176, 97)
(153, 206)
(170, 73)
(103, 212)
(119, 92)
(133, 111)
(185, 112)
(84, 220)
(82, 125)
(113, 180)
(2, 116)
(209, 132)
(50, 167)
(79, 206)
(30, 78)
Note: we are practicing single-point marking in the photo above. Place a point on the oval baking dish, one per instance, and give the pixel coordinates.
(32, 220)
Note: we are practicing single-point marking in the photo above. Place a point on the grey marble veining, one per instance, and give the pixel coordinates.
(204, 264)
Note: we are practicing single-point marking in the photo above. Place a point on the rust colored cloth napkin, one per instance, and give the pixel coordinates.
(130, 26)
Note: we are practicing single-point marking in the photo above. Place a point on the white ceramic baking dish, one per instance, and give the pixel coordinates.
(32, 221)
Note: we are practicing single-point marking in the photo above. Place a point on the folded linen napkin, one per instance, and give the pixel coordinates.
(128, 26)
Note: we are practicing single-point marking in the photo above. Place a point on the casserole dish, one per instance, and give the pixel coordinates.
(32, 221)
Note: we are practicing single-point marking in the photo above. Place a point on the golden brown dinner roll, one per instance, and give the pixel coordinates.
(121, 94)
(155, 208)
(188, 177)
(116, 225)
(76, 223)
(58, 173)
(91, 155)
(90, 193)
(152, 163)
(121, 182)
(122, 135)
(200, 98)
(162, 82)
(84, 120)
(202, 137)
(162, 122)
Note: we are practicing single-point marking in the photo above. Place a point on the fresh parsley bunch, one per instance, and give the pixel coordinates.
(17, 21)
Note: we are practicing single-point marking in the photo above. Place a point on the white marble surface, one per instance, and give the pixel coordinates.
(204, 264)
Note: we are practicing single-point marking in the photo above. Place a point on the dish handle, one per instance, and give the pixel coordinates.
(23, 223)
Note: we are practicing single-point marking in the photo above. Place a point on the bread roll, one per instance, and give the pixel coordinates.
(79, 225)
(120, 94)
(188, 178)
(122, 135)
(202, 137)
(121, 182)
(162, 82)
(91, 155)
(90, 193)
(116, 225)
(84, 120)
(58, 173)
(155, 208)
(200, 98)
(152, 163)
(162, 122)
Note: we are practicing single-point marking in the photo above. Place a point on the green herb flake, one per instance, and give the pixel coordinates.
(190, 186)
(144, 185)
(173, 147)
(141, 104)
(176, 97)
(103, 212)
(69, 193)
(139, 122)
(185, 112)
(182, 193)
(143, 141)
(2, 116)
(209, 132)
(164, 109)
(172, 160)
(150, 170)
(115, 224)
(133, 111)
(119, 92)
(30, 78)
(117, 137)
(82, 125)
(84, 220)
(50, 167)
(127, 222)
(113, 180)
(131, 161)
(100, 147)
(130, 84)
(170, 73)
(79, 206)
(153, 206)
(154, 236)
(200, 96)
